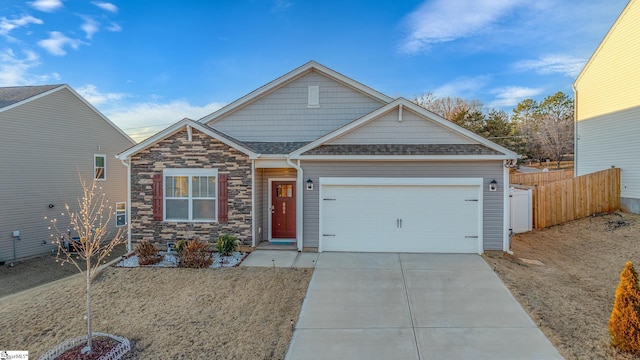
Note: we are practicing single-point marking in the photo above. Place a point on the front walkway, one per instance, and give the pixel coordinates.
(407, 306)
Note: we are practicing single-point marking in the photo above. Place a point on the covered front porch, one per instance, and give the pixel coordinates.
(277, 199)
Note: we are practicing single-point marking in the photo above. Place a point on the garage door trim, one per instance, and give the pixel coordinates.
(355, 181)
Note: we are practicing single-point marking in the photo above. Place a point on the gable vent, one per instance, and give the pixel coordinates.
(314, 96)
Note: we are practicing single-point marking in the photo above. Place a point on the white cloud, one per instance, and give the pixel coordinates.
(106, 6)
(462, 86)
(56, 43)
(113, 27)
(281, 5)
(446, 20)
(91, 94)
(512, 95)
(46, 5)
(553, 64)
(6, 25)
(90, 26)
(15, 71)
(142, 120)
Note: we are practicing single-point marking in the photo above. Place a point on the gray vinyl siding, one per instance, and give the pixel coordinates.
(488, 170)
(44, 144)
(413, 129)
(611, 140)
(259, 207)
(283, 114)
(262, 183)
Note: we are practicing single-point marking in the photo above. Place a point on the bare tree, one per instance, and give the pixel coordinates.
(448, 107)
(93, 244)
(547, 126)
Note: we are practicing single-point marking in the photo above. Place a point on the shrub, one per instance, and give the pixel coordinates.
(179, 246)
(624, 324)
(226, 244)
(147, 253)
(195, 255)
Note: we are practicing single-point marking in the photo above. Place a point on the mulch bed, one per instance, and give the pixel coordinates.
(100, 346)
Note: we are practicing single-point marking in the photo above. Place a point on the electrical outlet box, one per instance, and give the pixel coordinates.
(16, 233)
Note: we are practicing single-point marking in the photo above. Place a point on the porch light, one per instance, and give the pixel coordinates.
(309, 184)
(493, 185)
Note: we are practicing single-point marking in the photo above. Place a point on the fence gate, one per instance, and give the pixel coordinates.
(521, 203)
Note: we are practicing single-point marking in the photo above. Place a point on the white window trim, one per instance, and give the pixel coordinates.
(188, 173)
(95, 156)
(125, 214)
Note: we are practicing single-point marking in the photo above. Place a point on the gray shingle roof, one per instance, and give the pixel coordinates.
(275, 147)
(403, 149)
(15, 94)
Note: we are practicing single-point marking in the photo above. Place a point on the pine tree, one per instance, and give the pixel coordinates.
(624, 324)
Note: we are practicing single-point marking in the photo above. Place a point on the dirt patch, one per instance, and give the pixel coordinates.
(241, 313)
(570, 294)
(29, 273)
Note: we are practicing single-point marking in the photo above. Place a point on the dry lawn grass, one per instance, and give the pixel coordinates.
(233, 313)
(571, 296)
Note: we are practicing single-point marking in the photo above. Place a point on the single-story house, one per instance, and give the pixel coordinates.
(607, 107)
(320, 160)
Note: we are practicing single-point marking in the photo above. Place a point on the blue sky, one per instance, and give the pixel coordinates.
(147, 64)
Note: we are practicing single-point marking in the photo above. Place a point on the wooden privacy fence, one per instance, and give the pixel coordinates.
(570, 199)
(539, 178)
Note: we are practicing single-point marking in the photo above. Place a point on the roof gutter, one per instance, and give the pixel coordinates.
(299, 200)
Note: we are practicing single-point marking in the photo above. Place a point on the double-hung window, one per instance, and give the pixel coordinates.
(190, 194)
(100, 167)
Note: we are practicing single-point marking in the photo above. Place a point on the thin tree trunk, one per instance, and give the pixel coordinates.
(89, 332)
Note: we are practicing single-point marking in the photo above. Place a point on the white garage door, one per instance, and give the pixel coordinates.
(401, 218)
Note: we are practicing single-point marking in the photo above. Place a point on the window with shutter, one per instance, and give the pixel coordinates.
(223, 215)
(189, 195)
(157, 200)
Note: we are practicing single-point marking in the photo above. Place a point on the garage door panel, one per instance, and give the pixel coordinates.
(390, 218)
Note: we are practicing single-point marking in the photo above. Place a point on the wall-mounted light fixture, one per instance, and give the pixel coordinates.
(51, 206)
(309, 184)
(493, 185)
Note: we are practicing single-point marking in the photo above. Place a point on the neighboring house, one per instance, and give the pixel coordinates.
(607, 93)
(49, 136)
(318, 159)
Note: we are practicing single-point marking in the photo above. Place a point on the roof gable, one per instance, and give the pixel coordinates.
(301, 106)
(14, 95)
(625, 25)
(234, 143)
(285, 114)
(401, 125)
(382, 132)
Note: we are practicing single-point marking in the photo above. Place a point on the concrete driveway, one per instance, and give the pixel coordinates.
(412, 306)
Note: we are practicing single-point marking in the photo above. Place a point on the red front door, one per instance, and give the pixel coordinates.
(283, 209)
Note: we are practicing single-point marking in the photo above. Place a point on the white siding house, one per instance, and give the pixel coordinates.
(607, 118)
(49, 136)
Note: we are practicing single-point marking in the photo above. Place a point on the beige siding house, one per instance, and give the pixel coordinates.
(49, 135)
(322, 162)
(607, 94)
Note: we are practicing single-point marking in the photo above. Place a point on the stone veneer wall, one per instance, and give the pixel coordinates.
(202, 152)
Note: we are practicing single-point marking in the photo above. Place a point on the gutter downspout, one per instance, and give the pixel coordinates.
(507, 209)
(128, 166)
(253, 204)
(299, 201)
